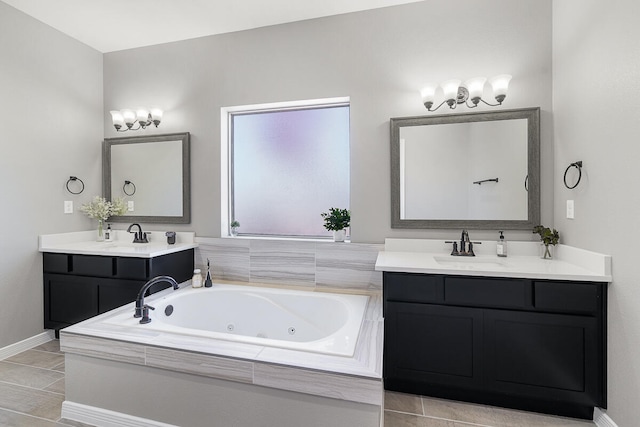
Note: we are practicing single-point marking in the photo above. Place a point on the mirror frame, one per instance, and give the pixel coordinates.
(532, 115)
(185, 218)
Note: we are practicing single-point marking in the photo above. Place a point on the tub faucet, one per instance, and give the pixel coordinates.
(138, 237)
(140, 298)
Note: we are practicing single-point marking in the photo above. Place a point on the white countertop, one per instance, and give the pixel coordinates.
(83, 242)
(523, 261)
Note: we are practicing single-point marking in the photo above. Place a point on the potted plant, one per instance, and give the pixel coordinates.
(548, 238)
(101, 209)
(234, 227)
(337, 220)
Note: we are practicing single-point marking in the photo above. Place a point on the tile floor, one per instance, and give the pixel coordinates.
(407, 410)
(32, 392)
(32, 388)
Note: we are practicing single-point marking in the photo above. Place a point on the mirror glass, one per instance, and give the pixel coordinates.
(474, 170)
(152, 174)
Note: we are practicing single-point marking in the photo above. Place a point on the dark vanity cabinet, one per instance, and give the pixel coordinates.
(77, 287)
(531, 344)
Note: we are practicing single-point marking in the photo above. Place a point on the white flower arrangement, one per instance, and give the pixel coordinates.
(101, 209)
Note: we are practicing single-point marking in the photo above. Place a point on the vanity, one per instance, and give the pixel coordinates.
(518, 332)
(84, 278)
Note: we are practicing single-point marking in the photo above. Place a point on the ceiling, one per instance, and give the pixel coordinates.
(111, 25)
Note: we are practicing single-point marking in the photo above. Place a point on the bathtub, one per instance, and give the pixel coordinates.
(317, 322)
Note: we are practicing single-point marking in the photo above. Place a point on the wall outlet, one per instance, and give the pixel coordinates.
(570, 209)
(68, 206)
(130, 206)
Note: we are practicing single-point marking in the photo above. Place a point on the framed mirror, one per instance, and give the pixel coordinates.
(152, 174)
(472, 170)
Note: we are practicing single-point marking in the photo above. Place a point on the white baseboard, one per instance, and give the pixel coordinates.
(19, 347)
(602, 420)
(104, 417)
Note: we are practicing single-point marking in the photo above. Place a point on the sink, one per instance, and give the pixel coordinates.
(469, 263)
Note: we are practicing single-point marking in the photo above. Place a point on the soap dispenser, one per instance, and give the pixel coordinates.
(501, 247)
(108, 234)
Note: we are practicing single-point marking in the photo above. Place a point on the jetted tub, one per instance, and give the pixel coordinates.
(318, 322)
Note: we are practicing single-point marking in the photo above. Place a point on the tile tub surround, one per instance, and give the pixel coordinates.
(84, 242)
(355, 380)
(299, 263)
(422, 256)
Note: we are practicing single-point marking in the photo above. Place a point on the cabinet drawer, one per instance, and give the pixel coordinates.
(92, 265)
(413, 287)
(55, 263)
(566, 297)
(487, 292)
(132, 268)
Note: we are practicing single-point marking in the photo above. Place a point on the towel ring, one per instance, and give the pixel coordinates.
(124, 188)
(577, 165)
(526, 183)
(74, 178)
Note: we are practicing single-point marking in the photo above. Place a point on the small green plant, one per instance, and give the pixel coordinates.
(547, 236)
(234, 227)
(336, 219)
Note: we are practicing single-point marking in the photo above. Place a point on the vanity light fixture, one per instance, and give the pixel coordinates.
(455, 92)
(124, 120)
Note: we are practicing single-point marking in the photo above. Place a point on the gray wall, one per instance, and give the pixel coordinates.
(379, 58)
(595, 77)
(51, 118)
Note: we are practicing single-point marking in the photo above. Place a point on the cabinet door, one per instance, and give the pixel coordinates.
(68, 299)
(549, 356)
(432, 344)
(116, 293)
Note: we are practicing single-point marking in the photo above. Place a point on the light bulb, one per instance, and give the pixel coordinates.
(500, 85)
(450, 89)
(428, 94)
(156, 116)
(129, 117)
(117, 119)
(475, 86)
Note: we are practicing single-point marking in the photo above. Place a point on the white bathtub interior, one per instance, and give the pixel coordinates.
(317, 322)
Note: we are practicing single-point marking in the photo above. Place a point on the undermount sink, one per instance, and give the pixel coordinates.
(469, 262)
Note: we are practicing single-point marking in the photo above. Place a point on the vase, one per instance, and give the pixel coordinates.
(234, 231)
(339, 235)
(546, 251)
(100, 230)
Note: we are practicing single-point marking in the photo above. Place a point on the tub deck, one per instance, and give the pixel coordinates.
(353, 379)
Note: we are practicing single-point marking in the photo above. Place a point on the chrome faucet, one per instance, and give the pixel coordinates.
(141, 307)
(138, 237)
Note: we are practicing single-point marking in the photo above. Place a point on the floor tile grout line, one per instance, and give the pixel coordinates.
(31, 366)
(439, 418)
(30, 388)
(29, 415)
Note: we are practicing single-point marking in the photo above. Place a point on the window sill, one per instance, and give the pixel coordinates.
(286, 239)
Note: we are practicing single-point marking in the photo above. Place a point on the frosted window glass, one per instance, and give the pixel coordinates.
(288, 167)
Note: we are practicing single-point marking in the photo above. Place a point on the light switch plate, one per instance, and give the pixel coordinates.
(570, 209)
(68, 206)
(130, 206)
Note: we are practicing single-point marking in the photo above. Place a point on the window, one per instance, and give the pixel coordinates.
(286, 164)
